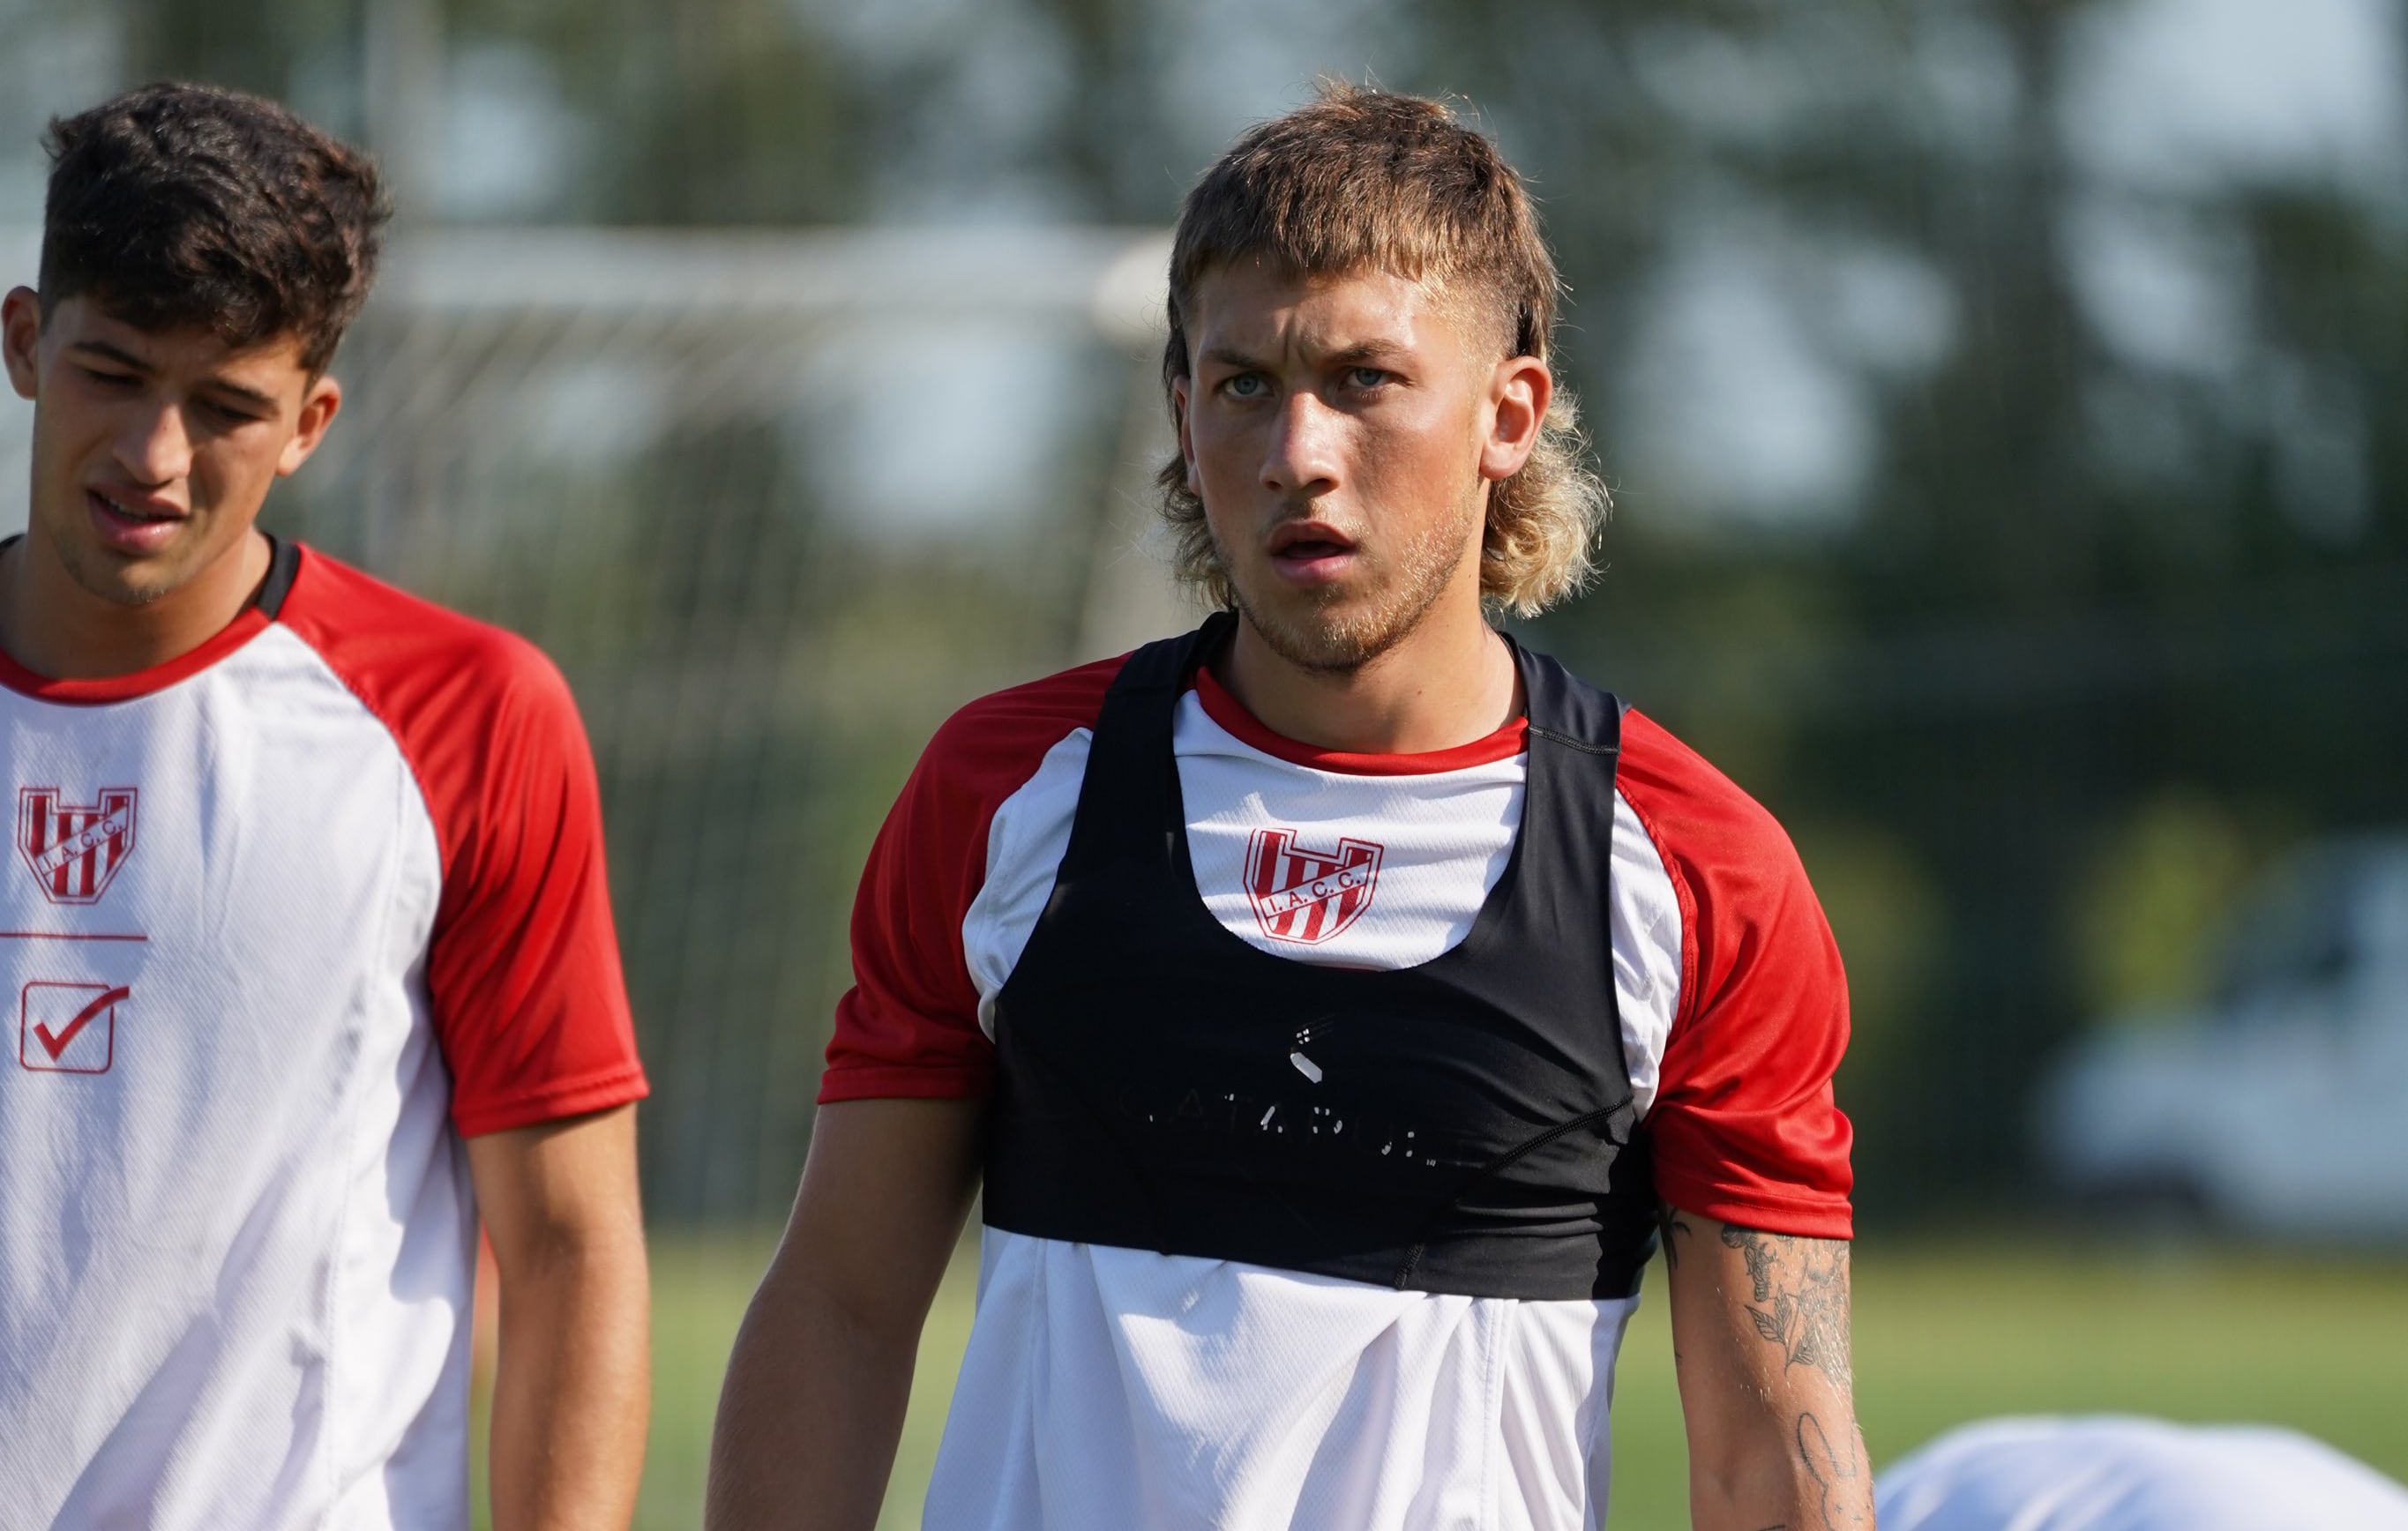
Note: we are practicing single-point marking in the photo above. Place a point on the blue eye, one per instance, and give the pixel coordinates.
(1245, 385)
(1366, 377)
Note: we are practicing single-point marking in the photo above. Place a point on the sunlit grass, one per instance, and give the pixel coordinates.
(1944, 1333)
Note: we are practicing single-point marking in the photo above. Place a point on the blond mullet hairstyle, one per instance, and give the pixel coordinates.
(1364, 180)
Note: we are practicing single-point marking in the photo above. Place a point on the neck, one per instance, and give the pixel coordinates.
(1448, 683)
(54, 627)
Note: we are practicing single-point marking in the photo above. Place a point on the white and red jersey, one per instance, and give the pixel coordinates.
(284, 920)
(1125, 1387)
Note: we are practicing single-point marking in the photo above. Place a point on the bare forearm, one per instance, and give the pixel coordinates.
(821, 1372)
(809, 1417)
(571, 1392)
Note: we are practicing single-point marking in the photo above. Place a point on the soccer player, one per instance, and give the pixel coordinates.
(309, 961)
(2109, 1473)
(1330, 1001)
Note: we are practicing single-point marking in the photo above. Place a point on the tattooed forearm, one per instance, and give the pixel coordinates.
(1669, 1222)
(1755, 1248)
(1798, 1296)
(1760, 1325)
(1838, 1469)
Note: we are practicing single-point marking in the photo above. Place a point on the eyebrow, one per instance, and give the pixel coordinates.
(1359, 354)
(123, 358)
(108, 353)
(1366, 351)
(1224, 356)
(252, 396)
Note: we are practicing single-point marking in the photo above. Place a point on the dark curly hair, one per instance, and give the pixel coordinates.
(177, 206)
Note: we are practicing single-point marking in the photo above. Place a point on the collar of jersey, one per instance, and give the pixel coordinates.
(125, 688)
(1226, 710)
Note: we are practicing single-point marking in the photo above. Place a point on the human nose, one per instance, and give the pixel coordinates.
(155, 447)
(1302, 455)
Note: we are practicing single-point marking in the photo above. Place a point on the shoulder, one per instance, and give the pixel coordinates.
(401, 651)
(911, 1025)
(1725, 853)
(1752, 932)
(1745, 1124)
(1691, 808)
(984, 768)
(482, 716)
(990, 748)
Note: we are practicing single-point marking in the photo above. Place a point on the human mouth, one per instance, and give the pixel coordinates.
(133, 523)
(1310, 552)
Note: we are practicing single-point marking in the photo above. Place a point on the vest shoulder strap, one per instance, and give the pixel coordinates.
(1566, 710)
(1131, 788)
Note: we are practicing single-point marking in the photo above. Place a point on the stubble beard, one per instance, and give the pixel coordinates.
(107, 575)
(1303, 631)
(99, 574)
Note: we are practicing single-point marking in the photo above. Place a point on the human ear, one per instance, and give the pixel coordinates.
(1519, 392)
(318, 408)
(20, 335)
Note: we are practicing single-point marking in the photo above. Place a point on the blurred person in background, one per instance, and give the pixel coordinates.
(306, 924)
(1334, 1003)
(2119, 1473)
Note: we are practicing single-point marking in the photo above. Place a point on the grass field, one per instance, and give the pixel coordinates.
(1944, 1333)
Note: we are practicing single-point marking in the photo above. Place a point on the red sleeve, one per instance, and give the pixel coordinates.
(910, 1024)
(1745, 1124)
(522, 968)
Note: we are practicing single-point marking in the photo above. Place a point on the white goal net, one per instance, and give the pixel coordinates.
(776, 504)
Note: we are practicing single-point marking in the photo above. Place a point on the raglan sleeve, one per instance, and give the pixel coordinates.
(1745, 1127)
(908, 1027)
(522, 968)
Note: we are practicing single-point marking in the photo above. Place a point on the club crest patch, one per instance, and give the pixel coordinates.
(74, 851)
(1305, 895)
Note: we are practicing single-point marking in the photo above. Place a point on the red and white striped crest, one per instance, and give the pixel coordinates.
(1306, 896)
(74, 852)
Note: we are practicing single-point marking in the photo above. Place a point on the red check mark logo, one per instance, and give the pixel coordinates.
(58, 1044)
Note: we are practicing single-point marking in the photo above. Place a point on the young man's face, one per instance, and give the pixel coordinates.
(153, 451)
(1343, 432)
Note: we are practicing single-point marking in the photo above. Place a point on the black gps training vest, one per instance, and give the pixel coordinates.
(1464, 1125)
